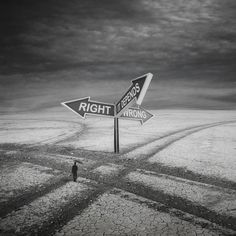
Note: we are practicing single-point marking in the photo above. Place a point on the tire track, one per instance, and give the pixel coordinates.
(65, 121)
(129, 167)
(41, 212)
(153, 147)
(34, 193)
(137, 159)
(53, 140)
(180, 203)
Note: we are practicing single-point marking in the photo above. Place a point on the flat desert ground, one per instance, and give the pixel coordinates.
(174, 175)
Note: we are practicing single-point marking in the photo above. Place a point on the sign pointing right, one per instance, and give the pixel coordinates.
(136, 92)
(137, 114)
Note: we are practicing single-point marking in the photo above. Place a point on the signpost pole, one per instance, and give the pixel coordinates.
(116, 135)
(115, 130)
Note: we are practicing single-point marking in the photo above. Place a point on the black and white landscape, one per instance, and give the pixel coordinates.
(174, 175)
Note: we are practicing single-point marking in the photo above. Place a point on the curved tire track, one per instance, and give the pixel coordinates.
(166, 141)
(52, 140)
(153, 147)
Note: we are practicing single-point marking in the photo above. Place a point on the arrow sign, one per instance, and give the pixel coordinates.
(137, 114)
(136, 92)
(84, 106)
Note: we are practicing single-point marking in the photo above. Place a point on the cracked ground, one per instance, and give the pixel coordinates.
(137, 192)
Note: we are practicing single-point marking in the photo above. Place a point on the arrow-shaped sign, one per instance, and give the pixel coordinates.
(136, 92)
(137, 114)
(84, 106)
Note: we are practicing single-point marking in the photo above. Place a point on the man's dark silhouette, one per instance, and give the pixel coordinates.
(74, 171)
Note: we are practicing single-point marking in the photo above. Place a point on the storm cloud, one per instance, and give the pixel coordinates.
(76, 47)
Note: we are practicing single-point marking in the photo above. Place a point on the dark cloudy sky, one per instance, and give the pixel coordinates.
(57, 50)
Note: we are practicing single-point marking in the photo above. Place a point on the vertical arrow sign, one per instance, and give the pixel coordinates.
(136, 92)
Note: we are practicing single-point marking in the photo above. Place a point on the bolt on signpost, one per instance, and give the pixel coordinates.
(122, 109)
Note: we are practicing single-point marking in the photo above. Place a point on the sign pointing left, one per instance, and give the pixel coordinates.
(84, 106)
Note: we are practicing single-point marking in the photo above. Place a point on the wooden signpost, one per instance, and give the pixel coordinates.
(122, 109)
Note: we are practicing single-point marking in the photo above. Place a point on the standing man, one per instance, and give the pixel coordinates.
(74, 171)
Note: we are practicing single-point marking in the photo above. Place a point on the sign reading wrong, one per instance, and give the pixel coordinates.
(137, 114)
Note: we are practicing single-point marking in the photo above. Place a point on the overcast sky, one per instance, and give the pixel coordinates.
(57, 50)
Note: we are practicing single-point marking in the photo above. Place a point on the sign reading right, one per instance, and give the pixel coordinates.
(136, 92)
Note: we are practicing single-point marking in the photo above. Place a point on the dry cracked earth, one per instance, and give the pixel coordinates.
(115, 194)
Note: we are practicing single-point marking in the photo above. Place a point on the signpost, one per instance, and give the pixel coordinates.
(139, 114)
(122, 109)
